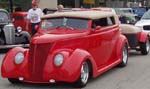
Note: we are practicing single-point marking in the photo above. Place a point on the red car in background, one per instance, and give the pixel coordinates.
(19, 20)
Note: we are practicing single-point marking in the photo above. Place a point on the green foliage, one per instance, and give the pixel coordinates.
(24, 4)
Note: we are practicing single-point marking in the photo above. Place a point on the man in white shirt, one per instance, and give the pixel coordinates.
(34, 15)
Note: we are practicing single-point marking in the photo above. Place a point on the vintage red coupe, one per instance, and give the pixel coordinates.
(69, 47)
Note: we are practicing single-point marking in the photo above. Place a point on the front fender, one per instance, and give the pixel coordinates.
(142, 36)
(11, 70)
(70, 69)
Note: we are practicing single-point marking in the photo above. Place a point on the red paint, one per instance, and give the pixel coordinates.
(103, 48)
(142, 36)
(19, 19)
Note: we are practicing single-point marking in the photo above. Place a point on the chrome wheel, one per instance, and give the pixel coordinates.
(125, 55)
(84, 73)
(147, 45)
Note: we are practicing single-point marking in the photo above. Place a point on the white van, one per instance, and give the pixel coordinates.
(144, 22)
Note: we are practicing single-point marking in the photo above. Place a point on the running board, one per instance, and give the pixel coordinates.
(12, 46)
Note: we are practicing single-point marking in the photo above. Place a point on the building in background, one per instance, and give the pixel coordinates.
(10, 5)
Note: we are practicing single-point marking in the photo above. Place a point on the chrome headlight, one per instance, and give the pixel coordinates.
(19, 58)
(19, 29)
(58, 59)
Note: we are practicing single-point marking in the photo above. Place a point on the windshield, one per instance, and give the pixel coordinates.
(127, 11)
(74, 23)
(146, 15)
(4, 17)
(119, 12)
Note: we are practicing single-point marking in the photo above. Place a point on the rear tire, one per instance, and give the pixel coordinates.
(14, 81)
(84, 76)
(145, 47)
(124, 56)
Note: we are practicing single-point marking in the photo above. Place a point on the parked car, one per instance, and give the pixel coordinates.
(138, 40)
(144, 22)
(68, 47)
(126, 15)
(19, 19)
(139, 11)
(9, 36)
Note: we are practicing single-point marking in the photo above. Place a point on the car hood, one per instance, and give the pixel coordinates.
(142, 22)
(55, 35)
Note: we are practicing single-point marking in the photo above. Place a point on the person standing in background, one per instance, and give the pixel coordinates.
(60, 8)
(34, 15)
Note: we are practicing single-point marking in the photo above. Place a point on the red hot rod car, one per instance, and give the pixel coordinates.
(68, 47)
(19, 20)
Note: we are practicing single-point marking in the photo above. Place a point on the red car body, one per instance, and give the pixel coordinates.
(19, 20)
(102, 48)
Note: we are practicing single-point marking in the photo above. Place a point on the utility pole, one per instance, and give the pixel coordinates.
(77, 3)
(11, 5)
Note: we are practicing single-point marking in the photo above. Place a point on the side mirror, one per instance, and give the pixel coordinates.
(98, 27)
(37, 28)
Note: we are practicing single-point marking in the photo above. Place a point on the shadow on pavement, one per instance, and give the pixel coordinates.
(44, 86)
(4, 51)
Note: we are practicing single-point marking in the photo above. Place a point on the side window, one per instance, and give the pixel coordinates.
(110, 21)
(102, 22)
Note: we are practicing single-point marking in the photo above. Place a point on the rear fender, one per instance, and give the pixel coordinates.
(142, 36)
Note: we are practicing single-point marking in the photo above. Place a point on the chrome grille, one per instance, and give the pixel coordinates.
(146, 27)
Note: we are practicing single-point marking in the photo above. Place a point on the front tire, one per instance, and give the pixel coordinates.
(84, 76)
(124, 56)
(14, 81)
(145, 47)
